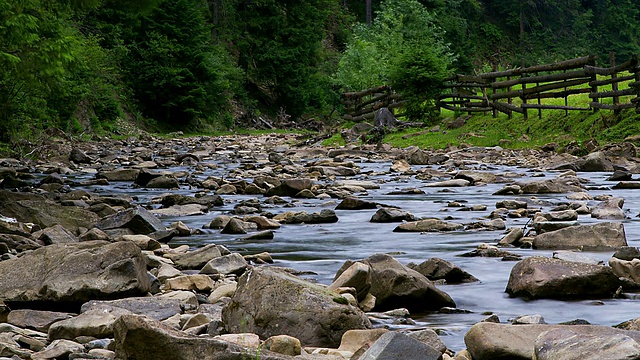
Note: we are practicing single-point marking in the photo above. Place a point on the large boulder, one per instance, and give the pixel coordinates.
(140, 338)
(596, 161)
(75, 273)
(566, 344)
(155, 307)
(270, 302)
(626, 263)
(600, 236)
(31, 208)
(139, 220)
(492, 341)
(387, 214)
(540, 277)
(396, 286)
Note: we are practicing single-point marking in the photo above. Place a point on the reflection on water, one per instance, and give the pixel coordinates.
(323, 248)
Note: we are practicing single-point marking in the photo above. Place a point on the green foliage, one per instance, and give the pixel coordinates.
(179, 77)
(403, 48)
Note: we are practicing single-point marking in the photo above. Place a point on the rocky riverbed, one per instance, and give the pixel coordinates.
(255, 247)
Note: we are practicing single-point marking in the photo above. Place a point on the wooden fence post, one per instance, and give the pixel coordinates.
(614, 85)
(524, 99)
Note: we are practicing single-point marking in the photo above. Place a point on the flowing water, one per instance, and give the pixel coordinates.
(322, 249)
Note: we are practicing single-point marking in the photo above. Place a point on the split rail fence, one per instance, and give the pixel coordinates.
(530, 86)
(520, 90)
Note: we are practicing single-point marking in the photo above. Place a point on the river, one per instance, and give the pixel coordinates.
(322, 249)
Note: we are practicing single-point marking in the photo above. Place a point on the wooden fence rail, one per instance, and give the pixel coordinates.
(520, 90)
(533, 84)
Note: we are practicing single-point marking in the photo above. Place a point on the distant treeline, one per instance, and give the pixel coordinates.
(83, 65)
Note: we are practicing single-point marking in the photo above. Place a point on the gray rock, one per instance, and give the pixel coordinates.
(228, 264)
(119, 175)
(430, 338)
(352, 203)
(439, 269)
(56, 235)
(155, 307)
(559, 185)
(449, 183)
(607, 235)
(609, 209)
(396, 286)
(596, 161)
(196, 259)
(58, 349)
(290, 187)
(540, 277)
(96, 322)
(511, 204)
(357, 276)
(627, 253)
(75, 273)
(394, 345)
(139, 338)
(575, 256)
(324, 216)
(428, 225)
(386, 214)
(163, 182)
(78, 156)
(311, 313)
(491, 341)
(139, 220)
(31, 208)
(35, 319)
(566, 344)
(628, 269)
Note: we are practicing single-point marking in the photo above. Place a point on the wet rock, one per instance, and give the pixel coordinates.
(512, 238)
(428, 225)
(609, 209)
(565, 215)
(629, 185)
(486, 250)
(227, 264)
(137, 337)
(139, 220)
(476, 177)
(307, 311)
(75, 273)
(181, 210)
(596, 161)
(620, 175)
(539, 277)
(324, 216)
(400, 166)
(429, 337)
(606, 235)
(395, 285)
(449, 183)
(196, 282)
(542, 227)
(163, 182)
(290, 187)
(491, 341)
(119, 175)
(494, 224)
(628, 269)
(567, 344)
(386, 214)
(439, 269)
(576, 257)
(352, 203)
(237, 226)
(394, 345)
(559, 185)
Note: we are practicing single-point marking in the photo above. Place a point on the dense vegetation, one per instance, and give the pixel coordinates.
(87, 66)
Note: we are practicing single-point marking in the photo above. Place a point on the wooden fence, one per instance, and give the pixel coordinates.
(496, 91)
(529, 86)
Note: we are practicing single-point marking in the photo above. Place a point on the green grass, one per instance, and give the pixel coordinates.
(554, 126)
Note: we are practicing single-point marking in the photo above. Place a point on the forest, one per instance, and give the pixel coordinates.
(86, 66)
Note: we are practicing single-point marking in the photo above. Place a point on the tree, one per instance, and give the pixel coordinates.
(403, 48)
(179, 77)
